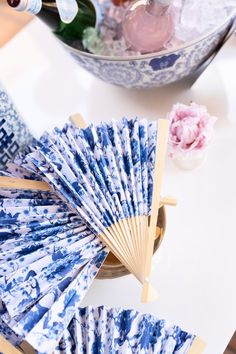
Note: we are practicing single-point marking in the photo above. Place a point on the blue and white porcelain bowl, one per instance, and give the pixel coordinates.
(156, 69)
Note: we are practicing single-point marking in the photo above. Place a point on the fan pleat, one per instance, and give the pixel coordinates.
(84, 175)
(119, 171)
(83, 149)
(125, 245)
(124, 190)
(115, 330)
(48, 260)
(45, 274)
(38, 250)
(81, 164)
(45, 332)
(152, 142)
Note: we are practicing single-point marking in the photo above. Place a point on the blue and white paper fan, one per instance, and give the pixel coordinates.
(117, 331)
(106, 174)
(48, 260)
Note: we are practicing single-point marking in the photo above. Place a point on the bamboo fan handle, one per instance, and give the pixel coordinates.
(148, 293)
(21, 183)
(197, 347)
(7, 348)
(78, 120)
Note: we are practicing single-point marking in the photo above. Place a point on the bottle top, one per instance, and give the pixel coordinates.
(13, 3)
(32, 6)
(67, 9)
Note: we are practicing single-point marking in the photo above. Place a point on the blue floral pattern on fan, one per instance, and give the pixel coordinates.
(48, 260)
(105, 173)
(116, 331)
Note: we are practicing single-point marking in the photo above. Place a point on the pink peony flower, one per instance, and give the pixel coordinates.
(191, 128)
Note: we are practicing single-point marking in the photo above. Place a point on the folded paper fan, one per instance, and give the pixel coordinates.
(118, 331)
(48, 260)
(108, 174)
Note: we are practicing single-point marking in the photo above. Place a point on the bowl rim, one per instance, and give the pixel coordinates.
(230, 17)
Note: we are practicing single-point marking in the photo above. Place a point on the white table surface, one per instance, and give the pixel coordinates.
(194, 269)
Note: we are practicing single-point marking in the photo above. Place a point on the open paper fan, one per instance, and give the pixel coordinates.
(108, 174)
(118, 331)
(48, 260)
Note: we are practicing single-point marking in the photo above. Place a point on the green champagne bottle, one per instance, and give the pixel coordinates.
(68, 28)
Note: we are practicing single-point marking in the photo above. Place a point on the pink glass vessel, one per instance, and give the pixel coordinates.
(148, 25)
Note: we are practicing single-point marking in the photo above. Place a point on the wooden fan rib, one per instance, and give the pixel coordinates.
(134, 262)
(140, 239)
(133, 232)
(119, 236)
(117, 247)
(28, 349)
(133, 241)
(162, 137)
(78, 120)
(128, 238)
(138, 245)
(25, 184)
(108, 236)
(133, 236)
(143, 243)
(197, 346)
(129, 260)
(106, 240)
(137, 238)
(123, 247)
(7, 348)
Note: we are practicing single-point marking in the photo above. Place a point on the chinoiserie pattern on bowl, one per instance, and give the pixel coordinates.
(156, 69)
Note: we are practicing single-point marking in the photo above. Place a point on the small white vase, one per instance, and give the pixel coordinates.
(189, 160)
